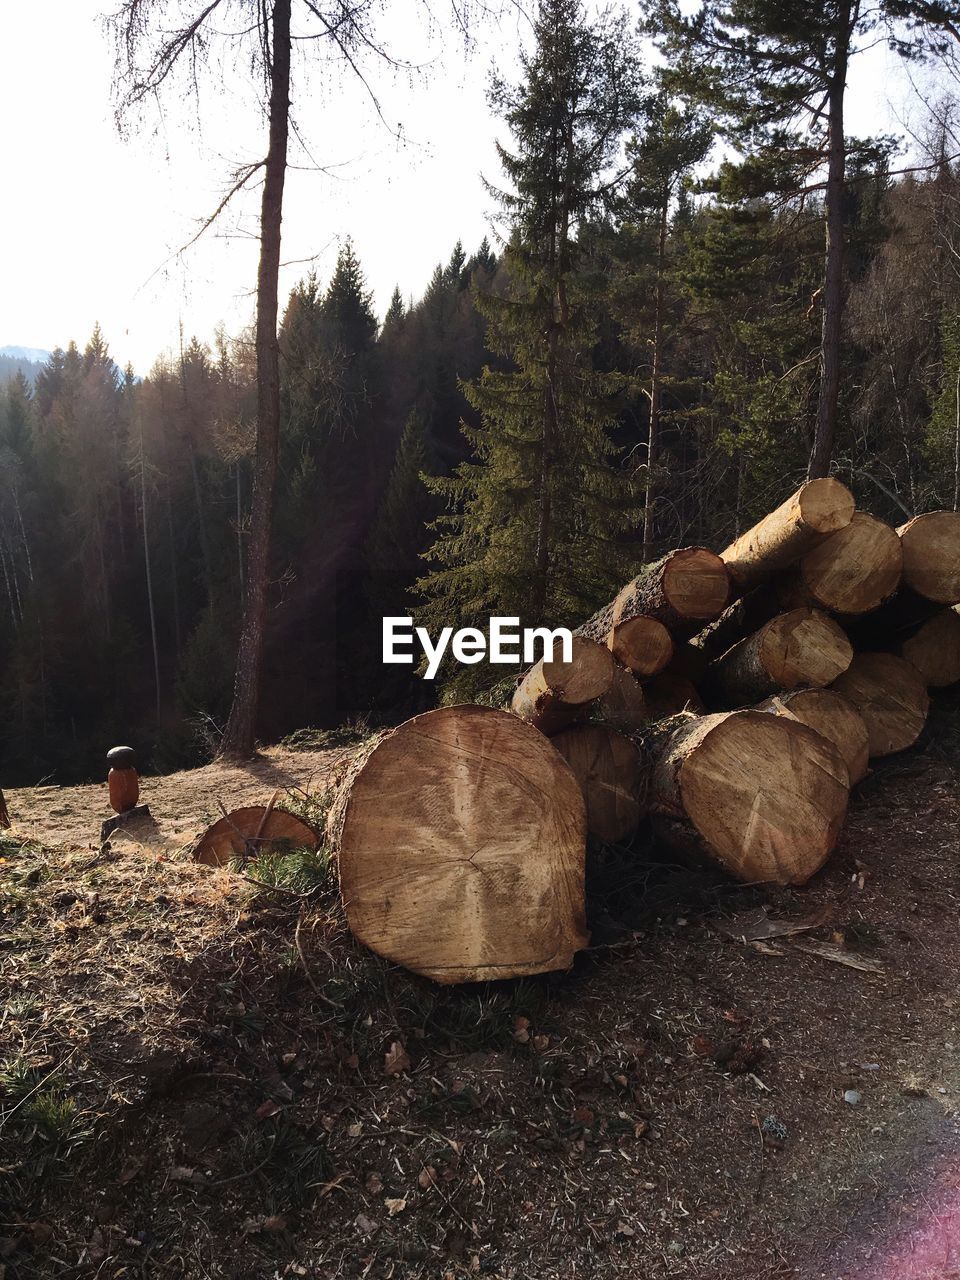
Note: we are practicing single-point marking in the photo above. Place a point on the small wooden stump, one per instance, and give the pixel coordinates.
(246, 832)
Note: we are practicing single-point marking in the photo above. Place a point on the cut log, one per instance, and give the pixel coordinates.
(460, 838)
(613, 776)
(834, 717)
(931, 555)
(806, 519)
(643, 645)
(246, 832)
(682, 591)
(623, 706)
(668, 694)
(802, 647)
(935, 650)
(890, 694)
(850, 572)
(553, 695)
(739, 620)
(763, 795)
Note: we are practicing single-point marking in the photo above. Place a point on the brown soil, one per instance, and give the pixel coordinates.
(255, 1096)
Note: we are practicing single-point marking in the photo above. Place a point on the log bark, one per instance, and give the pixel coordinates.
(931, 555)
(738, 620)
(802, 647)
(763, 795)
(624, 706)
(807, 518)
(668, 694)
(935, 650)
(890, 694)
(613, 776)
(555, 694)
(683, 590)
(643, 645)
(831, 715)
(851, 572)
(460, 838)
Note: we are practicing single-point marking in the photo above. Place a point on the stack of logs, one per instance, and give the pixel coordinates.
(732, 699)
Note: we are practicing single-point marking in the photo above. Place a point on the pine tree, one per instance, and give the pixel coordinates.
(535, 514)
(777, 73)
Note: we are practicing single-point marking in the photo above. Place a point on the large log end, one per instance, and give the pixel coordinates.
(461, 840)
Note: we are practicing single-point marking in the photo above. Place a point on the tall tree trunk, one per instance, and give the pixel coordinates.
(174, 584)
(149, 577)
(239, 737)
(656, 376)
(823, 441)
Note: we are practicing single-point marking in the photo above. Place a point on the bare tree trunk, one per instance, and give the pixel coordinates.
(173, 578)
(653, 428)
(149, 577)
(823, 441)
(239, 737)
(240, 531)
(956, 449)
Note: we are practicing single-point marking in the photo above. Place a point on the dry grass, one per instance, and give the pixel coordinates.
(203, 1077)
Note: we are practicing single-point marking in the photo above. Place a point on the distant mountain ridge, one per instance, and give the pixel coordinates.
(25, 360)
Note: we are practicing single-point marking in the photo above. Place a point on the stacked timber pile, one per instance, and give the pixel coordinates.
(725, 703)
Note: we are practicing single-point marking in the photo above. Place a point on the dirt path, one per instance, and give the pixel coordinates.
(182, 805)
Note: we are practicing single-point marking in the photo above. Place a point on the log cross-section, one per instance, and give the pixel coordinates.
(890, 694)
(931, 555)
(762, 795)
(460, 838)
(817, 509)
(802, 647)
(554, 694)
(682, 591)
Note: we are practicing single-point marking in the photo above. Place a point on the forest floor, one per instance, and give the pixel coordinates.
(200, 1077)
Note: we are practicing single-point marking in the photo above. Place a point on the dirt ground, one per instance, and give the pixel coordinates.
(202, 1078)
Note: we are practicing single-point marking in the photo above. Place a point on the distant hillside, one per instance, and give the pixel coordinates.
(25, 360)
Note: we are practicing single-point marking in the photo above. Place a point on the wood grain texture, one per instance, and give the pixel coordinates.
(817, 509)
(762, 795)
(460, 839)
(850, 572)
(613, 776)
(934, 649)
(243, 832)
(624, 705)
(683, 590)
(890, 694)
(641, 644)
(931, 555)
(834, 717)
(800, 647)
(552, 695)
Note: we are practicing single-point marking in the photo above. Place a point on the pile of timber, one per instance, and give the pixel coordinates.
(725, 704)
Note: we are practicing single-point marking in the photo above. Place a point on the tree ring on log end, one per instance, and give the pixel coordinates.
(856, 569)
(244, 833)
(931, 555)
(461, 840)
(642, 644)
(767, 795)
(696, 583)
(890, 695)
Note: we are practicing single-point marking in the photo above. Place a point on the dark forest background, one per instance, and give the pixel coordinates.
(408, 477)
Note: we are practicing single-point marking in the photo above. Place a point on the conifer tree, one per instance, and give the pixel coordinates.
(534, 516)
(776, 71)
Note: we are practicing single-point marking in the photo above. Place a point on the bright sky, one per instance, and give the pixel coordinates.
(90, 223)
